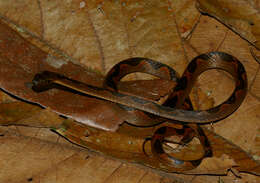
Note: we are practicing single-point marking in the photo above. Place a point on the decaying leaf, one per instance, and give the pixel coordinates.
(256, 87)
(185, 15)
(241, 16)
(21, 113)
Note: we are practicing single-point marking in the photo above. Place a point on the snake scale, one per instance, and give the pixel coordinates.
(173, 109)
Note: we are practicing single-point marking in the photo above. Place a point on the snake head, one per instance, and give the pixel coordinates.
(44, 81)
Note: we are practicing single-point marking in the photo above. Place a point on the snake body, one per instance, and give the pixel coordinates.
(213, 60)
(174, 109)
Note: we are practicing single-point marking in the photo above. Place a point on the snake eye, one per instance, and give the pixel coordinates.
(43, 81)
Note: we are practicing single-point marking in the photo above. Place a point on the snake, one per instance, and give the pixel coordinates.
(174, 109)
(213, 60)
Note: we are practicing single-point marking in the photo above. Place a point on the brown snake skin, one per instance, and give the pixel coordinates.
(173, 108)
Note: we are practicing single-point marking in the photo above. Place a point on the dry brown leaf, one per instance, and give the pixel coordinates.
(255, 88)
(186, 16)
(99, 34)
(21, 113)
(240, 15)
(25, 157)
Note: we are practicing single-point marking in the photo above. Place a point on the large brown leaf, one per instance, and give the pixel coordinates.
(240, 15)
